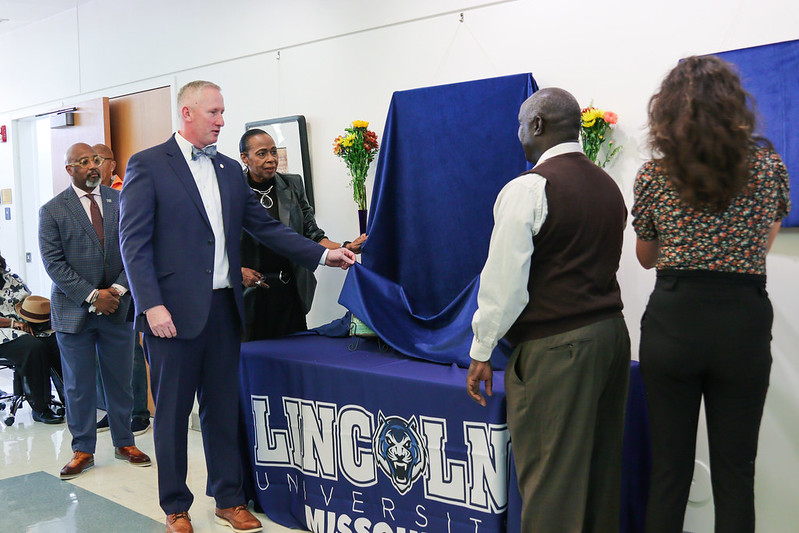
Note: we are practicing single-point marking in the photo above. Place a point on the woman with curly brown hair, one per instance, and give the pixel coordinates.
(707, 209)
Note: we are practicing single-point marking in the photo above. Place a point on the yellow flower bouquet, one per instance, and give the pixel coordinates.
(595, 127)
(357, 147)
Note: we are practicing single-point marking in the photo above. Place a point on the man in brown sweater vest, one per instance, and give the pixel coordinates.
(549, 286)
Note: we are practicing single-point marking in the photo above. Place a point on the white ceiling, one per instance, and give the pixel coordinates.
(23, 12)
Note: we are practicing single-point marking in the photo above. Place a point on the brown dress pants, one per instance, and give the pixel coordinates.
(566, 398)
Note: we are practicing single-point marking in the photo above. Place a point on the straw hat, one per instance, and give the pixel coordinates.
(34, 309)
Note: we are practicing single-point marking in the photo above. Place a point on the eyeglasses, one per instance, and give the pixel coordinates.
(84, 162)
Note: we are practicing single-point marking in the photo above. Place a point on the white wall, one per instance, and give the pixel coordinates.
(341, 61)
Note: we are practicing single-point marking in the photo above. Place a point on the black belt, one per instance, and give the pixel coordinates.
(713, 277)
(284, 277)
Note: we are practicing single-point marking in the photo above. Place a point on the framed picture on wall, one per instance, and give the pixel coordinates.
(291, 140)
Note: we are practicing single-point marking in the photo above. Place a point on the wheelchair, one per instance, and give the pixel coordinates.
(16, 398)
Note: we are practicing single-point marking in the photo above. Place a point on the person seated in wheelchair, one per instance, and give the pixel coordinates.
(27, 342)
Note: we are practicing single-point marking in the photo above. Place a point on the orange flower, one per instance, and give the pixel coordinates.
(596, 126)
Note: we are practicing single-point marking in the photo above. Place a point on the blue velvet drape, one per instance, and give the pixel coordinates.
(446, 153)
(771, 75)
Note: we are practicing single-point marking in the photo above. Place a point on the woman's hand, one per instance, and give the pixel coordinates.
(252, 278)
(355, 246)
(647, 252)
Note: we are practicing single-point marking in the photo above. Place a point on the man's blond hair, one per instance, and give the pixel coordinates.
(192, 89)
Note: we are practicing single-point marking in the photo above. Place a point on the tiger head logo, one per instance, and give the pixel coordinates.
(399, 450)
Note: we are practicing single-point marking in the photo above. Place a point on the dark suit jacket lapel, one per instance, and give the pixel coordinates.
(110, 217)
(224, 192)
(283, 199)
(73, 203)
(185, 177)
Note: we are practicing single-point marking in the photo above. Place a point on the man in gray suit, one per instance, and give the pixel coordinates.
(79, 242)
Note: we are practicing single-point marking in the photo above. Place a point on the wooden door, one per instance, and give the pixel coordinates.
(138, 121)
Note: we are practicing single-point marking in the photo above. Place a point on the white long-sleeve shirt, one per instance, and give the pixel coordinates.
(519, 212)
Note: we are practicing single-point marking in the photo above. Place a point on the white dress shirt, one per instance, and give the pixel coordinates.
(519, 212)
(202, 169)
(86, 203)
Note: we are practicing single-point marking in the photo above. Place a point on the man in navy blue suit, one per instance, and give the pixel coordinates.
(183, 207)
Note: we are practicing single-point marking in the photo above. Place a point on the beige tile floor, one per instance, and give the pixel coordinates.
(28, 446)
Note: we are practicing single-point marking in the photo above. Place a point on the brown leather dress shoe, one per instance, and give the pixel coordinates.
(179, 523)
(239, 518)
(133, 455)
(81, 461)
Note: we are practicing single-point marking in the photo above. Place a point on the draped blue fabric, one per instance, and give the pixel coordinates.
(446, 153)
(771, 75)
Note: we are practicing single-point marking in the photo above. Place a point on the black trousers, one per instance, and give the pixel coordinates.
(273, 312)
(705, 335)
(32, 358)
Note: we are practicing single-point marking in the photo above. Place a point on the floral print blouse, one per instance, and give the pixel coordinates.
(12, 291)
(733, 240)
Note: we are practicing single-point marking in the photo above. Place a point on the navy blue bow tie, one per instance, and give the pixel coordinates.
(209, 151)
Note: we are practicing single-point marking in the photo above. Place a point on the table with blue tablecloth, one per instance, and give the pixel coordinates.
(346, 435)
